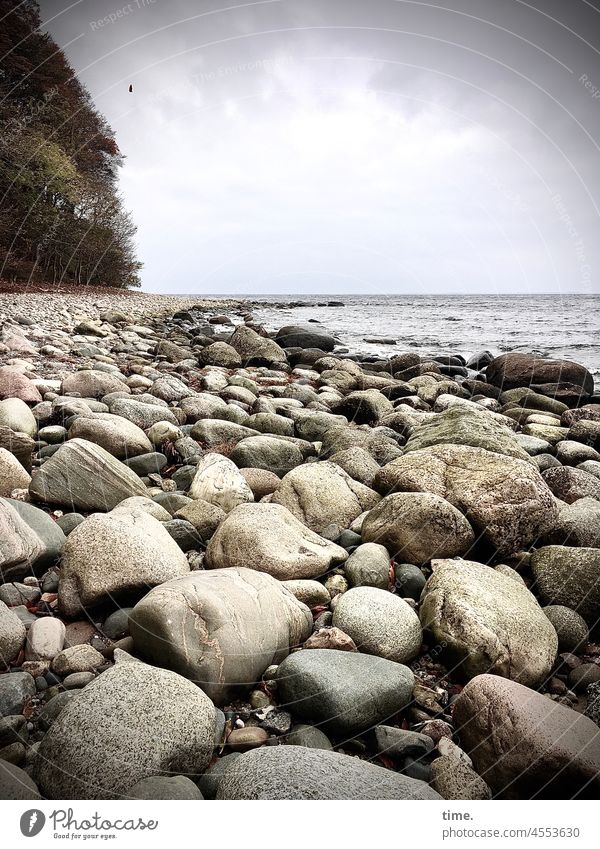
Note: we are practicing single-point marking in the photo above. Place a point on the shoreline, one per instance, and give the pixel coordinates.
(338, 548)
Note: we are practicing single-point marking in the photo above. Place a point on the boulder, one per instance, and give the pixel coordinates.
(345, 692)
(358, 463)
(255, 349)
(219, 354)
(84, 476)
(117, 435)
(16, 415)
(113, 554)
(368, 566)
(468, 427)
(569, 576)
(364, 406)
(267, 452)
(218, 481)
(526, 746)
(211, 433)
(261, 481)
(571, 484)
(45, 638)
(16, 688)
(488, 622)
(301, 773)
(132, 722)
(205, 406)
(12, 635)
(571, 628)
(321, 494)
(164, 787)
(142, 414)
(578, 524)
(512, 370)
(268, 538)
(89, 383)
(416, 527)
(205, 517)
(221, 629)
(15, 783)
(380, 623)
(505, 500)
(12, 474)
(14, 384)
(301, 336)
(30, 540)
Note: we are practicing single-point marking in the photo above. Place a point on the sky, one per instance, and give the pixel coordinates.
(302, 147)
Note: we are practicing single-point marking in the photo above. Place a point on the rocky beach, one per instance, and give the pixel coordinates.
(242, 564)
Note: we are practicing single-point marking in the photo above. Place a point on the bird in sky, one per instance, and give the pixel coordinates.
(130, 89)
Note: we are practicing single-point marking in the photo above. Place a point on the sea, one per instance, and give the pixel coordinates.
(558, 326)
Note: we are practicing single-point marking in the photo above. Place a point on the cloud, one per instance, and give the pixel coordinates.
(290, 147)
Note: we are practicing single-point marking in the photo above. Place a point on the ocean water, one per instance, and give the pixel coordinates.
(547, 325)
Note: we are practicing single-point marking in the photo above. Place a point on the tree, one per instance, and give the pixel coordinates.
(61, 218)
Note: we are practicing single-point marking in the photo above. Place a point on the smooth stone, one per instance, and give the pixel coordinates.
(15, 689)
(570, 627)
(220, 628)
(164, 787)
(368, 566)
(487, 621)
(131, 708)
(524, 745)
(268, 538)
(380, 623)
(297, 772)
(346, 692)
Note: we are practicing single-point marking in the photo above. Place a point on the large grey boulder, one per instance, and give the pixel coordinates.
(302, 336)
(526, 746)
(578, 524)
(321, 494)
(369, 566)
(218, 481)
(267, 452)
(346, 692)
(165, 787)
(117, 435)
(505, 500)
(109, 555)
(211, 433)
(30, 540)
(221, 629)
(205, 406)
(90, 383)
(16, 415)
(460, 426)
(364, 406)
(297, 772)
(570, 485)
(418, 526)
(380, 623)
(140, 413)
(256, 349)
(12, 634)
(488, 622)
(569, 576)
(15, 783)
(12, 474)
(132, 722)
(515, 369)
(84, 476)
(268, 538)
(15, 690)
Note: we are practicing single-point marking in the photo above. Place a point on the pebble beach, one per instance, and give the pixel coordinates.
(240, 563)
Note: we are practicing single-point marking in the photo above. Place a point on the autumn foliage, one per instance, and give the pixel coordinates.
(61, 218)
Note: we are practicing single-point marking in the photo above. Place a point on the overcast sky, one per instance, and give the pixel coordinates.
(337, 146)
